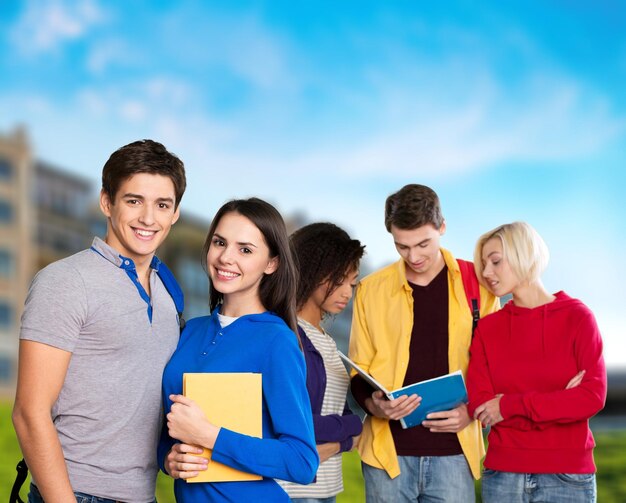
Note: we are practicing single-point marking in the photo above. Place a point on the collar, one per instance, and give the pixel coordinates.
(119, 260)
(307, 345)
(310, 326)
(400, 268)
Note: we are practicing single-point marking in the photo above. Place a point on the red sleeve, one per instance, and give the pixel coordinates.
(576, 404)
(480, 388)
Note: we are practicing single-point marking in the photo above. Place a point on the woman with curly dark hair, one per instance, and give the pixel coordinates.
(328, 263)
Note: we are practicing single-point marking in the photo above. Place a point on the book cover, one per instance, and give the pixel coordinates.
(440, 393)
(231, 400)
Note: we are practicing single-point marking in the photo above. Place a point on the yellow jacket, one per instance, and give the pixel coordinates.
(379, 343)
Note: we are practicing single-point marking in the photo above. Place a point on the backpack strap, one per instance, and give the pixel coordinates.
(173, 288)
(22, 473)
(472, 290)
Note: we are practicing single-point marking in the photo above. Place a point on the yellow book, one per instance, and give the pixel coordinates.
(230, 400)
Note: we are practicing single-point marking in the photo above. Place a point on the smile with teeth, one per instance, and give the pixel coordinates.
(226, 274)
(144, 233)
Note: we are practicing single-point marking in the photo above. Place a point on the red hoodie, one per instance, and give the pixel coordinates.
(529, 355)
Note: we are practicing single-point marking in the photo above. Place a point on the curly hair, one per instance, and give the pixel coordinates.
(323, 252)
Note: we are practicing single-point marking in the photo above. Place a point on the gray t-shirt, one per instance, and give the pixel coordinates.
(108, 413)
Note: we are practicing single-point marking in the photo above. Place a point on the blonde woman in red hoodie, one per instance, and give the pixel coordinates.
(536, 376)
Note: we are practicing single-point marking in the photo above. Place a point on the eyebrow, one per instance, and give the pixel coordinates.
(240, 243)
(134, 196)
(142, 198)
(495, 251)
(410, 246)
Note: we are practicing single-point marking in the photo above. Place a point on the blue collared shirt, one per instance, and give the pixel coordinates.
(110, 254)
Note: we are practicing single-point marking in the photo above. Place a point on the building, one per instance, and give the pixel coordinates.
(47, 214)
(16, 243)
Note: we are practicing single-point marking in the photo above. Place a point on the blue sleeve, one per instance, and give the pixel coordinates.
(332, 427)
(165, 444)
(337, 428)
(172, 383)
(291, 455)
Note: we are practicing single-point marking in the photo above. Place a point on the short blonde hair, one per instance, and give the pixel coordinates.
(523, 248)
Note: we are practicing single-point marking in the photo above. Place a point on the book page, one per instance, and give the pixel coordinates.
(373, 382)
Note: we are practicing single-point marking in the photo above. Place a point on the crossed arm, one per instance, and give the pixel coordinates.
(489, 412)
(580, 398)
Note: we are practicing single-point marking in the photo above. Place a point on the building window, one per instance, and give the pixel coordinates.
(193, 279)
(6, 315)
(6, 169)
(6, 212)
(6, 264)
(6, 369)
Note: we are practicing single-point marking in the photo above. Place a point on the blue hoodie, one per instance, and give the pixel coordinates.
(259, 343)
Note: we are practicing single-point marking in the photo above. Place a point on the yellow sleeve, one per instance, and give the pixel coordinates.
(489, 303)
(361, 350)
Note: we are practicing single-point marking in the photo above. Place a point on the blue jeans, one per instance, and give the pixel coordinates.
(535, 487)
(422, 478)
(331, 499)
(34, 496)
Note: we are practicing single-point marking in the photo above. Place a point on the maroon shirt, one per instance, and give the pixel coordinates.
(428, 358)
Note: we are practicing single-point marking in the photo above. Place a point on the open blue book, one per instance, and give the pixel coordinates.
(440, 393)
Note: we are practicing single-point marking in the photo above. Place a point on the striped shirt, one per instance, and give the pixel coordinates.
(328, 481)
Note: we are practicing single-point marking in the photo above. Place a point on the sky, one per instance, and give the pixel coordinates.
(509, 110)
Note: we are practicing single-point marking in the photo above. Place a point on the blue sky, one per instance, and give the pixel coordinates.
(509, 110)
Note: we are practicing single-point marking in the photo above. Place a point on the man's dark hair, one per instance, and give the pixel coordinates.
(143, 156)
(413, 206)
(324, 252)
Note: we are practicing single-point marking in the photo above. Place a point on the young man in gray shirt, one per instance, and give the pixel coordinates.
(97, 330)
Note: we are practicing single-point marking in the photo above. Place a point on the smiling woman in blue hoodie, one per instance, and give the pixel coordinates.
(251, 329)
(536, 376)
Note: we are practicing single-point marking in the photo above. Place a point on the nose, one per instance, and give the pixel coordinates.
(413, 255)
(147, 215)
(226, 256)
(487, 270)
(346, 291)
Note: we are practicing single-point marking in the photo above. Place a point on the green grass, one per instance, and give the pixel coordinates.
(610, 457)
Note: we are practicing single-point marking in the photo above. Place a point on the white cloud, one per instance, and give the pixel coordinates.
(257, 54)
(114, 51)
(45, 25)
(241, 43)
(92, 103)
(133, 111)
(553, 120)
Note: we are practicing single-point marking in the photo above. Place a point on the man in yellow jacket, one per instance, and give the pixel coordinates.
(412, 322)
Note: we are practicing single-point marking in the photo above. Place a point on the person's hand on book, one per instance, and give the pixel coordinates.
(186, 422)
(181, 463)
(395, 409)
(448, 421)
